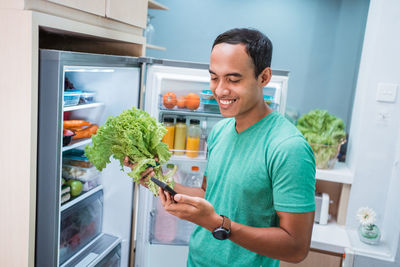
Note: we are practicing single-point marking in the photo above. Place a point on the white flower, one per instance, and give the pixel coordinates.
(366, 215)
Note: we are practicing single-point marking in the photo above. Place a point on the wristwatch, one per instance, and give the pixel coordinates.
(224, 231)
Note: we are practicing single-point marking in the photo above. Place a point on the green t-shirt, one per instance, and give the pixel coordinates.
(268, 167)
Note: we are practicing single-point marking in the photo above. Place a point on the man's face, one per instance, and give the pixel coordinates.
(233, 82)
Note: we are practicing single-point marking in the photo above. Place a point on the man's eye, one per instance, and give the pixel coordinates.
(213, 79)
(234, 81)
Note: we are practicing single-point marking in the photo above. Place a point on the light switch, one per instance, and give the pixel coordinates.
(386, 92)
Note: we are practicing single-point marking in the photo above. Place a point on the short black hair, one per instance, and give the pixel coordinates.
(258, 46)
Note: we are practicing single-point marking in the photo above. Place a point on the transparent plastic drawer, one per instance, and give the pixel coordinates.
(113, 259)
(167, 229)
(80, 224)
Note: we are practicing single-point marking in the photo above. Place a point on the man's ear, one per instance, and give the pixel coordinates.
(265, 76)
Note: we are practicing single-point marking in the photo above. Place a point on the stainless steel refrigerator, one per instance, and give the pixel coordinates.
(114, 222)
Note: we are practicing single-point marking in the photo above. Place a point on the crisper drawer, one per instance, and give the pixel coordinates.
(80, 224)
(104, 250)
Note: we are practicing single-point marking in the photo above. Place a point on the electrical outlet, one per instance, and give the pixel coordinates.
(386, 92)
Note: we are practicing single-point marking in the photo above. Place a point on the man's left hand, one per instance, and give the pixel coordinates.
(194, 209)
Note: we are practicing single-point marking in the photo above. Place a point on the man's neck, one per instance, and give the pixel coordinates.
(252, 117)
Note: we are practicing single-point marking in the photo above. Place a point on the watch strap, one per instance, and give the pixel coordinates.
(226, 223)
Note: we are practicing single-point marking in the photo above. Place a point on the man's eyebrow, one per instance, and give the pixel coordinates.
(235, 74)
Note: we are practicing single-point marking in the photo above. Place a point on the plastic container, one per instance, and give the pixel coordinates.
(193, 139)
(76, 157)
(180, 136)
(170, 135)
(207, 95)
(79, 173)
(71, 97)
(325, 155)
(87, 97)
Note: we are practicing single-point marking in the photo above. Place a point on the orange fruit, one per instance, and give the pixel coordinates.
(181, 102)
(192, 101)
(169, 100)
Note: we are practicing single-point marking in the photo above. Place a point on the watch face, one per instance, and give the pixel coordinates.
(220, 233)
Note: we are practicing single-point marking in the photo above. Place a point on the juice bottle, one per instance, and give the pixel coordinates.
(180, 136)
(193, 139)
(170, 135)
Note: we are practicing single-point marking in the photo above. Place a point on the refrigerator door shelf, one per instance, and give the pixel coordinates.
(105, 249)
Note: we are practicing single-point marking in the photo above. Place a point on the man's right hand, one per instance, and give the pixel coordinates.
(144, 176)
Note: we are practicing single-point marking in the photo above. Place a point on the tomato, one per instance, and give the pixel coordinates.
(169, 100)
(181, 102)
(192, 101)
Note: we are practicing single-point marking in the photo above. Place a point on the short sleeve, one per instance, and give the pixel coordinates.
(292, 172)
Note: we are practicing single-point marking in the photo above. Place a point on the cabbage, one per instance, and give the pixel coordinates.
(324, 132)
(135, 134)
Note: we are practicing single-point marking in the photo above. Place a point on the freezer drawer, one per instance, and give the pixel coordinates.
(105, 250)
(80, 224)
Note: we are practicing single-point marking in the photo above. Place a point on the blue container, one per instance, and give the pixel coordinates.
(71, 97)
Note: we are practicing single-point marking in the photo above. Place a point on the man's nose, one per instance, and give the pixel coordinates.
(221, 88)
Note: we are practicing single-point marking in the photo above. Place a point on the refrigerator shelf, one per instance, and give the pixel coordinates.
(186, 112)
(83, 106)
(80, 198)
(77, 143)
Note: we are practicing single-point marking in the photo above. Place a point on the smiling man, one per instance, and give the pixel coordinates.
(256, 204)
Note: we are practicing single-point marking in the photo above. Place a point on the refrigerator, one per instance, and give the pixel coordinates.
(113, 221)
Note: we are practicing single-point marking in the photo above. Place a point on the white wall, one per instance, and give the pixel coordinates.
(374, 145)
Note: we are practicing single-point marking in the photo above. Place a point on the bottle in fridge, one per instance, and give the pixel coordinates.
(193, 139)
(180, 136)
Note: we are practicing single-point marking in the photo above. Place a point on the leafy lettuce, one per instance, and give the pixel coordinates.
(324, 132)
(135, 134)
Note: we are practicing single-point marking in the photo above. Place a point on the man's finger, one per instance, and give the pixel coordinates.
(194, 201)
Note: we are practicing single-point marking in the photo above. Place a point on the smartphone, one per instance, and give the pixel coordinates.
(164, 186)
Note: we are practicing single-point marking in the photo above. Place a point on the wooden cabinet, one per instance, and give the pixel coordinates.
(317, 258)
(97, 7)
(133, 12)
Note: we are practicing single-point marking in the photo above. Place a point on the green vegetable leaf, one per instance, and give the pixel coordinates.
(324, 132)
(135, 134)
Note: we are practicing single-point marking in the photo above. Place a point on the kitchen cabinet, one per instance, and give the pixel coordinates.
(91, 6)
(317, 258)
(133, 12)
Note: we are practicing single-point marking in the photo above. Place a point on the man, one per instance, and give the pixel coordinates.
(260, 174)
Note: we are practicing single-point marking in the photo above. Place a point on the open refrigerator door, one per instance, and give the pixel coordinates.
(84, 217)
(178, 95)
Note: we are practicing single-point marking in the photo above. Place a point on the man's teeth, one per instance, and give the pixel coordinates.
(226, 102)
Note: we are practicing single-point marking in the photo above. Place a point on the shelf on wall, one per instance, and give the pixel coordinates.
(339, 174)
(330, 237)
(380, 251)
(155, 47)
(156, 5)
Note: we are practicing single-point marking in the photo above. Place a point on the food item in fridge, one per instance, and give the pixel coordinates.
(71, 97)
(76, 187)
(67, 137)
(135, 134)
(75, 123)
(181, 102)
(193, 139)
(192, 101)
(65, 198)
(169, 100)
(180, 136)
(325, 133)
(76, 157)
(170, 135)
(87, 132)
(87, 97)
(79, 173)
